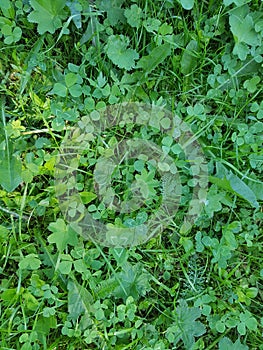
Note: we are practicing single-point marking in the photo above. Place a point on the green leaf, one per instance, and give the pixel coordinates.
(251, 84)
(59, 89)
(133, 15)
(146, 183)
(152, 24)
(185, 327)
(79, 300)
(47, 14)
(75, 90)
(119, 54)
(10, 173)
(249, 321)
(236, 2)
(62, 235)
(10, 166)
(7, 8)
(232, 183)
(133, 282)
(227, 344)
(87, 197)
(242, 189)
(65, 267)
(113, 9)
(70, 79)
(189, 59)
(30, 262)
(156, 57)
(242, 26)
(214, 200)
(187, 4)
(257, 188)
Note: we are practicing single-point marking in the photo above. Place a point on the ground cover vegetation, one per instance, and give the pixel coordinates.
(196, 287)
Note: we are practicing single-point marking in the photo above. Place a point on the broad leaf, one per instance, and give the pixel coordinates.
(62, 235)
(79, 300)
(47, 14)
(242, 26)
(156, 57)
(10, 173)
(118, 52)
(232, 183)
(185, 327)
(114, 11)
(242, 189)
(133, 281)
(133, 15)
(189, 58)
(227, 344)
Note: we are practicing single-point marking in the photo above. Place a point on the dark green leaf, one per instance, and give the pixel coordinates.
(189, 57)
(156, 57)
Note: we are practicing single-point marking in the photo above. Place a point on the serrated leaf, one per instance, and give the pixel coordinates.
(156, 57)
(118, 52)
(133, 15)
(133, 281)
(185, 327)
(47, 14)
(151, 24)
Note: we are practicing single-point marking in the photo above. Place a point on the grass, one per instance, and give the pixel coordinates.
(108, 244)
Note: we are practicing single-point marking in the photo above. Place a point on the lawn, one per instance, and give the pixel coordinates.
(131, 161)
